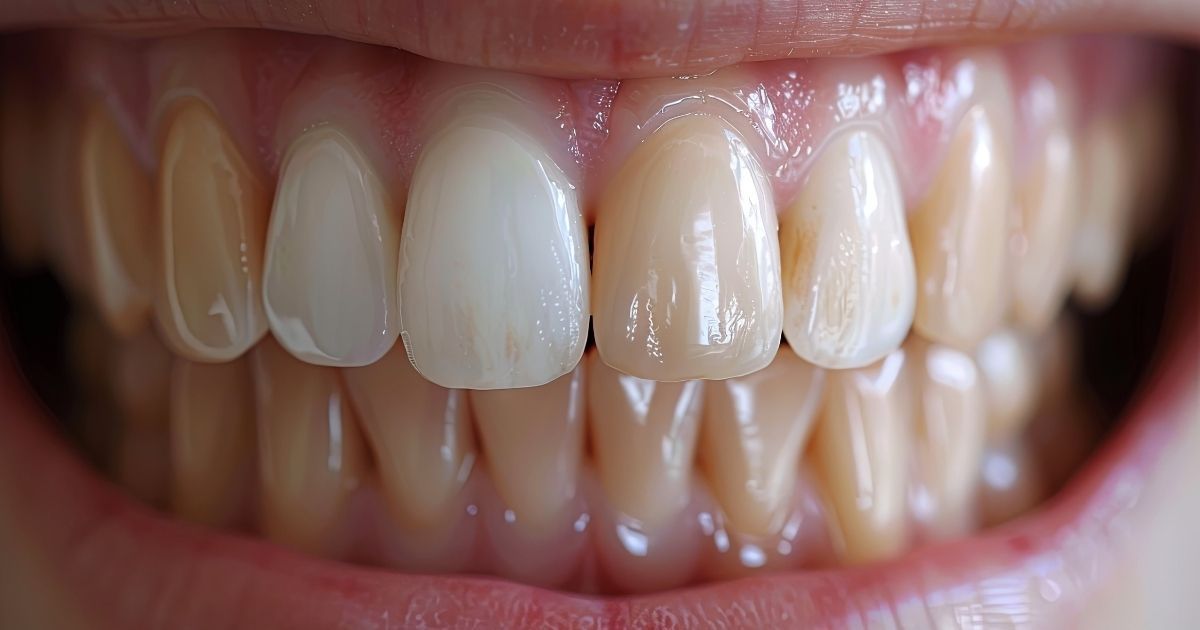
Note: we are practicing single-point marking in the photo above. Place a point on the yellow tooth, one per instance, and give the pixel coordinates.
(421, 435)
(533, 441)
(1010, 374)
(687, 261)
(212, 439)
(142, 381)
(310, 453)
(214, 211)
(116, 203)
(861, 448)
(1102, 240)
(848, 277)
(959, 235)
(643, 438)
(755, 428)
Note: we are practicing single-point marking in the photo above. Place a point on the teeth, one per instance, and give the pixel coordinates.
(533, 441)
(214, 214)
(1102, 238)
(330, 285)
(1010, 376)
(311, 455)
(687, 262)
(1010, 484)
(212, 439)
(421, 435)
(643, 437)
(949, 439)
(848, 276)
(142, 381)
(861, 447)
(494, 268)
(959, 235)
(755, 428)
(116, 202)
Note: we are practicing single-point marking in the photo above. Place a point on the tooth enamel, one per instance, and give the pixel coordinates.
(494, 264)
(1010, 376)
(755, 428)
(310, 453)
(116, 204)
(861, 447)
(421, 435)
(1010, 484)
(212, 439)
(330, 284)
(687, 261)
(959, 235)
(848, 276)
(141, 380)
(1102, 237)
(214, 214)
(532, 439)
(643, 439)
(948, 439)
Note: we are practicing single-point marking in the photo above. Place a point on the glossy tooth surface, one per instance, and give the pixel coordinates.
(116, 201)
(949, 439)
(1010, 374)
(494, 261)
(643, 438)
(755, 428)
(959, 234)
(686, 279)
(848, 275)
(1102, 238)
(212, 439)
(310, 453)
(1011, 483)
(861, 448)
(532, 439)
(330, 283)
(214, 212)
(421, 434)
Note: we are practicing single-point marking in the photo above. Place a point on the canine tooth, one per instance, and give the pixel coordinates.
(959, 235)
(494, 261)
(848, 275)
(755, 428)
(214, 211)
(1102, 240)
(1010, 375)
(686, 276)
(330, 283)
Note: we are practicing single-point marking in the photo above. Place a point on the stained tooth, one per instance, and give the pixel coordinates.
(421, 435)
(330, 281)
(755, 428)
(643, 437)
(1102, 237)
(533, 441)
(116, 202)
(959, 235)
(212, 439)
(1010, 376)
(214, 212)
(949, 439)
(848, 276)
(686, 277)
(494, 264)
(861, 447)
(311, 455)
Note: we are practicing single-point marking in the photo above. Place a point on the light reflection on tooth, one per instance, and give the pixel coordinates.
(329, 287)
(1102, 240)
(1010, 375)
(848, 276)
(686, 279)
(214, 211)
(1010, 483)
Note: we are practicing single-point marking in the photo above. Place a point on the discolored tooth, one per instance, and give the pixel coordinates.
(959, 235)
(421, 435)
(1102, 239)
(214, 211)
(494, 261)
(141, 381)
(116, 204)
(755, 428)
(848, 276)
(643, 438)
(1046, 215)
(330, 281)
(948, 439)
(861, 447)
(310, 453)
(1010, 374)
(686, 276)
(532, 439)
(212, 439)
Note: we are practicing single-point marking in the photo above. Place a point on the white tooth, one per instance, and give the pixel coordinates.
(1102, 239)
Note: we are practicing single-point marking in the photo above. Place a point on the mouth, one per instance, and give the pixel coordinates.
(307, 332)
